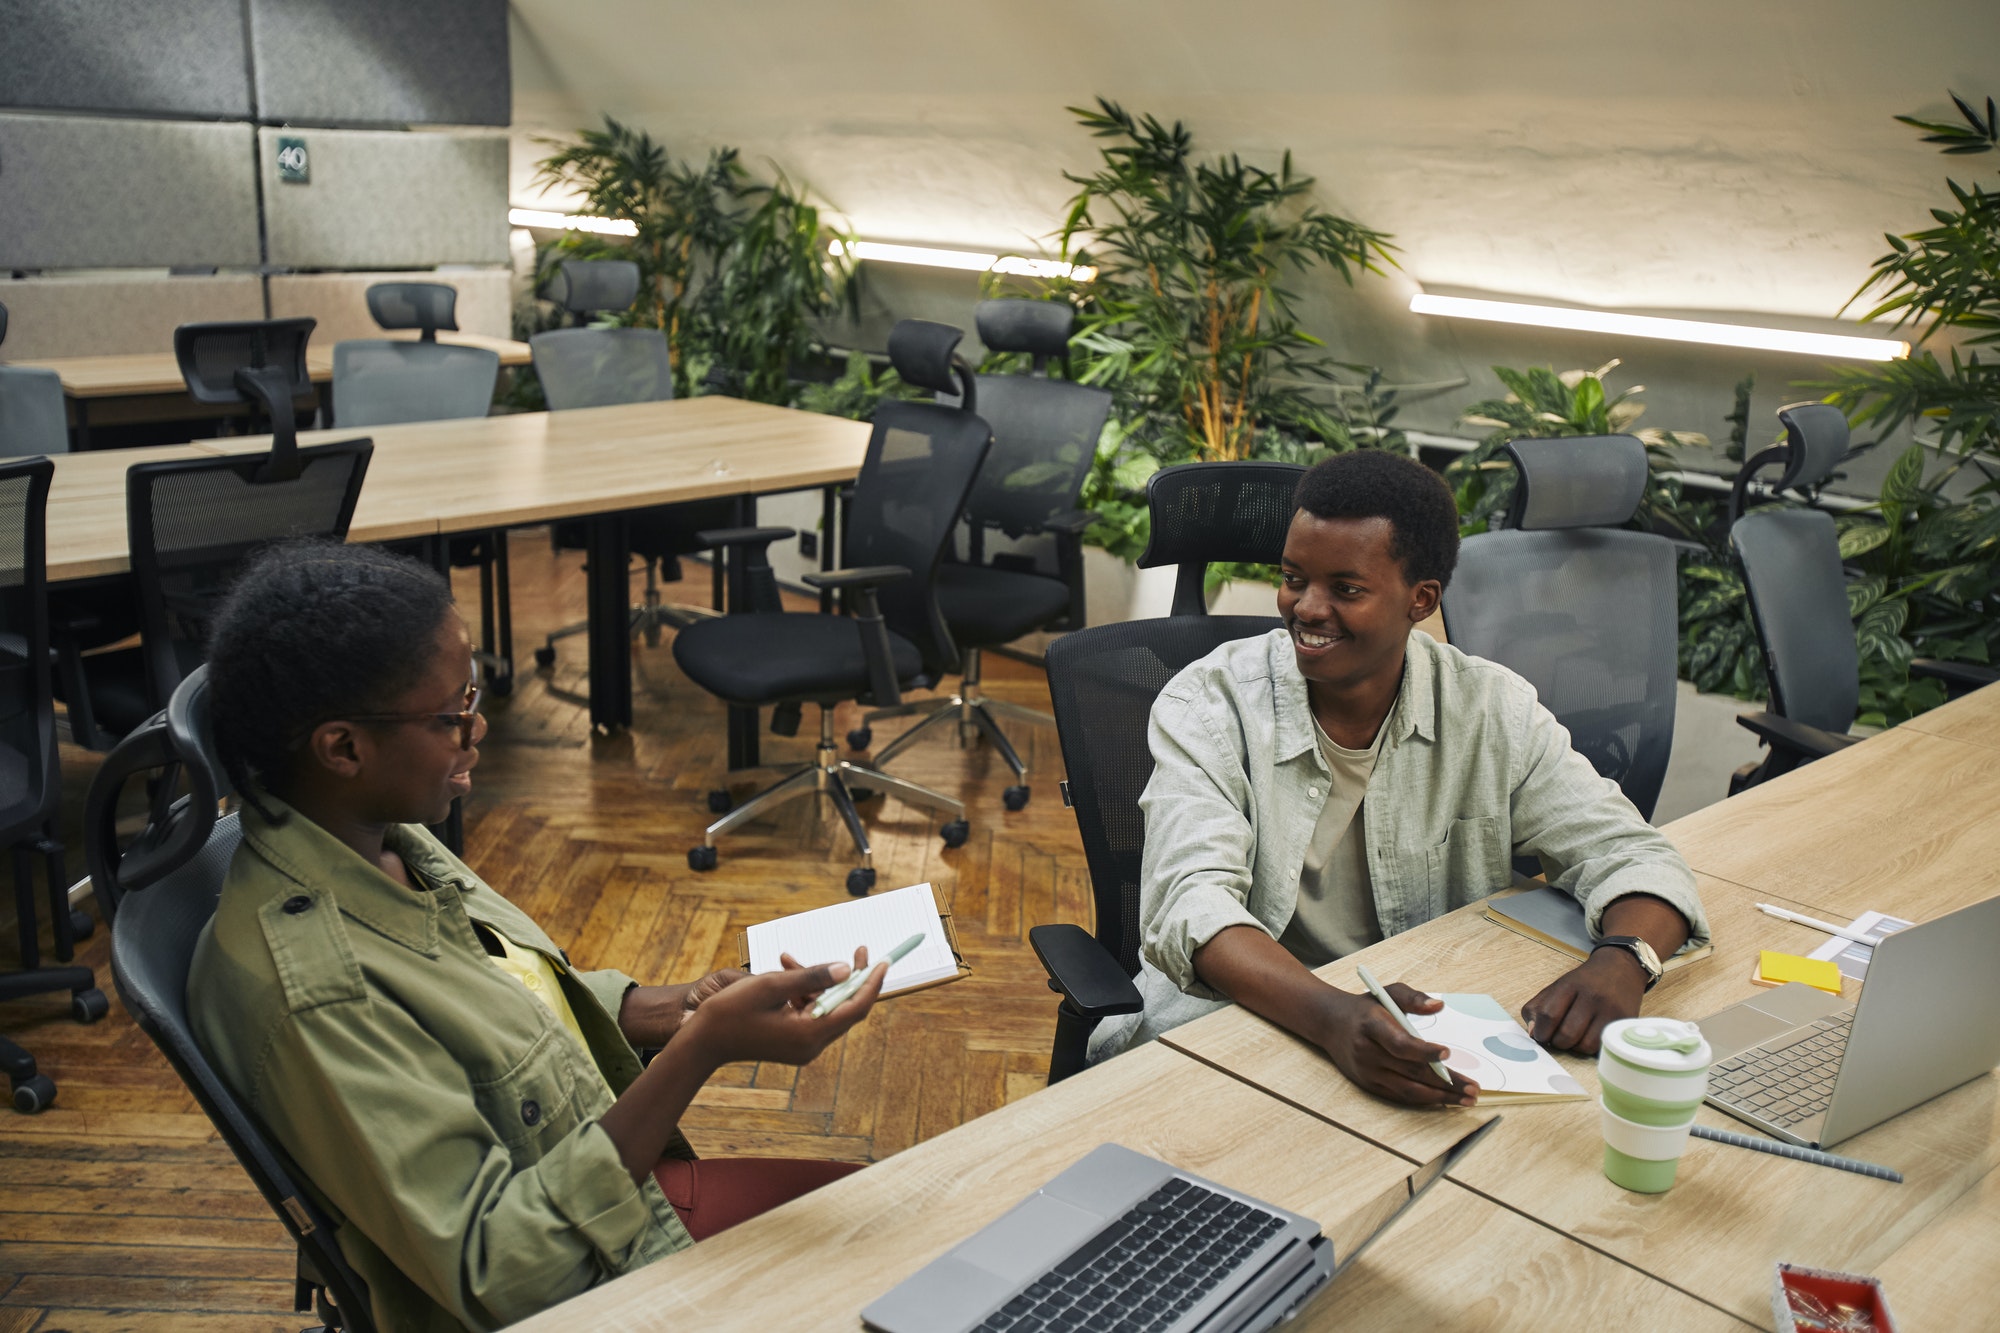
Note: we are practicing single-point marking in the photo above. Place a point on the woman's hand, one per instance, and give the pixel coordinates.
(650, 1015)
(768, 1017)
(1372, 1049)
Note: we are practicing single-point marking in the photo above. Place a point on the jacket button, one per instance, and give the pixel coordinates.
(531, 1111)
(299, 904)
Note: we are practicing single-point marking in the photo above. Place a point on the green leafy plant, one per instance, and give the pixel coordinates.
(858, 391)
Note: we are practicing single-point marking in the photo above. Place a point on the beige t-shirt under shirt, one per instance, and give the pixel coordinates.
(1336, 910)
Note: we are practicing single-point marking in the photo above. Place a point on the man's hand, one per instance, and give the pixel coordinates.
(1571, 1012)
(1372, 1049)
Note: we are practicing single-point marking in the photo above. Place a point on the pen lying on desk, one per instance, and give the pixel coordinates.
(1813, 1155)
(1844, 932)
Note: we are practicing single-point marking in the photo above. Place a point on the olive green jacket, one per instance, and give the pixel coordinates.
(443, 1115)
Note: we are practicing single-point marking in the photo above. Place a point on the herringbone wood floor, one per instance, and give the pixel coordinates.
(119, 1208)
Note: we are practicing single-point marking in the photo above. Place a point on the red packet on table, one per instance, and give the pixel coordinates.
(1816, 1300)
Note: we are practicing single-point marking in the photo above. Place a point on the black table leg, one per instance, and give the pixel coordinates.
(82, 424)
(608, 595)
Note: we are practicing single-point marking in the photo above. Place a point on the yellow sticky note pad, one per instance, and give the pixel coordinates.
(1775, 969)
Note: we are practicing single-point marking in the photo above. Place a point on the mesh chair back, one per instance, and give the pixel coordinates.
(1103, 682)
(602, 367)
(1207, 512)
(586, 286)
(211, 354)
(1798, 602)
(33, 418)
(381, 382)
(29, 785)
(921, 462)
(429, 306)
(191, 523)
(1044, 438)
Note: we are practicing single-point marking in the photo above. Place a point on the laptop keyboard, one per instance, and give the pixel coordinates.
(1791, 1084)
(1146, 1269)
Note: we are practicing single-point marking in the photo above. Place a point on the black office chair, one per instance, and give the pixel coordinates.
(1044, 438)
(921, 462)
(604, 367)
(159, 891)
(30, 784)
(1797, 591)
(1206, 513)
(1579, 606)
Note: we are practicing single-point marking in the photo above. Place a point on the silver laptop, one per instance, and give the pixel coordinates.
(1121, 1241)
(1812, 1069)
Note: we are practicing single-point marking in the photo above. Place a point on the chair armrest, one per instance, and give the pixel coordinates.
(1072, 523)
(1084, 972)
(1958, 677)
(743, 536)
(867, 576)
(1795, 737)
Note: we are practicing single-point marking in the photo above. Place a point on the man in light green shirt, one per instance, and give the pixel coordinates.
(1261, 859)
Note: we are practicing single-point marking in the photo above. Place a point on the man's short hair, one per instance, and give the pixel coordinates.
(1374, 483)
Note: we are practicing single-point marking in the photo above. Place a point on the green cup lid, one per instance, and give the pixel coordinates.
(1682, 1037)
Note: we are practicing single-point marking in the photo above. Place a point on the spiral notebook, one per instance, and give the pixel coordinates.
(881, 921)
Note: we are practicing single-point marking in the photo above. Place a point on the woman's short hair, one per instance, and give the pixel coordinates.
(1374, 483)
(312, 631)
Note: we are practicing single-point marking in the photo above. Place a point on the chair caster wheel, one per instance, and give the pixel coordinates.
(545, 657)
(863, 793)
(720, 802)
(701, 858)
(34, 1094)
(955, 833)
(860, 738)
(1015, 798)
(82, 924)
(87, 1006)
(502, 686)
(859, 882)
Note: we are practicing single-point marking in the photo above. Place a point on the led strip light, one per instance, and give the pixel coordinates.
(1652, 326)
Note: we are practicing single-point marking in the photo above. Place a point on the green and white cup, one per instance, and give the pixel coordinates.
(1653, 1073)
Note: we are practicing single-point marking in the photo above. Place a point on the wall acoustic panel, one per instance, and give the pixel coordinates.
(93, 192)
(388, 199)
(56, 317)
(184, 58)
(339, 301)
(438, 62)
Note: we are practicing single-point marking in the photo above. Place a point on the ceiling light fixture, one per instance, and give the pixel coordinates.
(534, 217)
(972, 261)
(1653, 326)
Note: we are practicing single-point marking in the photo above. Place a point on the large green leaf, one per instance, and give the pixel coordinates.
(1864, 593)
(1861, 538)
(1879, 633)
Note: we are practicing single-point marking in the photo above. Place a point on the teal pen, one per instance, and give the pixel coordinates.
(1382, 997)
(840, 994)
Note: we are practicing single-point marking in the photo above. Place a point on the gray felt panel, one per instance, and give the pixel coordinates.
(91, 192)
(388, 199)
(339, 301)
(57, 317)
(438, 62)
(183, 58)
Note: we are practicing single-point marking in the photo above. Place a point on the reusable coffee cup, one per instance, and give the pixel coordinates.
(1653, 1073)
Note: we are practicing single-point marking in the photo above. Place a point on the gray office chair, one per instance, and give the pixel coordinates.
(33, 418)
(1581, 607)
(606, 367)
(1797, 591)
(1044, 439)
(1206, 513)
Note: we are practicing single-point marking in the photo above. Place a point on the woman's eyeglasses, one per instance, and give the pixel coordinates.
(464, 720)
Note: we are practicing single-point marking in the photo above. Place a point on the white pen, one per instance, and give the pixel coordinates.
(1844, 932)
(1382, 998)
(839, 995)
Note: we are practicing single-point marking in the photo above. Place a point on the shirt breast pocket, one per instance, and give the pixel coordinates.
(1470, 863)
(532, 1104)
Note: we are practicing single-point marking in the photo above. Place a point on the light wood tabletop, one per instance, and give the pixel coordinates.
(1974, 718)
(138, 373)
(1458, 1261)
(1731, 1214)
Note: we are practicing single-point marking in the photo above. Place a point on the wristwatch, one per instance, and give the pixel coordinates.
(1649, 961)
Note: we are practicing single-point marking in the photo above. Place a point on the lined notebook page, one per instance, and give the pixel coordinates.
(881, 921)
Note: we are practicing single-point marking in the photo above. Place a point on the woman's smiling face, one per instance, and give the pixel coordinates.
(1346, 599)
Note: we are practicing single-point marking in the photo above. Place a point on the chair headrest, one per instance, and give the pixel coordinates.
(924, 353)
(1816, 433)
(583, 286)
(210, 355)
(1586, 481)
(1040, 328)
(429, 306)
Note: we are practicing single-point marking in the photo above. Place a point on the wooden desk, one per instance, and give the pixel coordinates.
(1458, 1261)
(1731, 1214)
(1973, 718)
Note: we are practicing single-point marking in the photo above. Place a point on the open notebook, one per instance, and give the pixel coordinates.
(881, 921)
(1491, 1049)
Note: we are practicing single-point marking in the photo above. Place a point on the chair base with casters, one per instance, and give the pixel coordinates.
(975, 714)
(843, 783)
